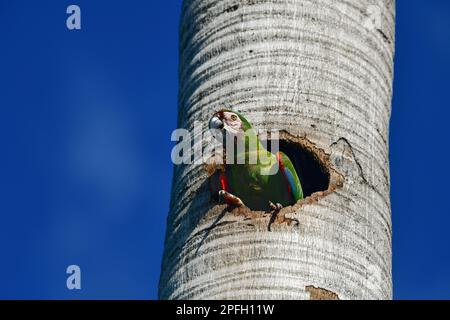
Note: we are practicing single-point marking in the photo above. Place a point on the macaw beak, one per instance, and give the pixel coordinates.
(216, 123)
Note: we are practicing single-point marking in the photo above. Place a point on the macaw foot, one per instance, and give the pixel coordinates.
(230, 199)
(276, 208)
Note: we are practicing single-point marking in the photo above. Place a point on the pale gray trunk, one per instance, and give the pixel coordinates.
(322, 71)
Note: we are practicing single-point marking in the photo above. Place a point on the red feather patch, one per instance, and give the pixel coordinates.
(224, 182)
(284, 174)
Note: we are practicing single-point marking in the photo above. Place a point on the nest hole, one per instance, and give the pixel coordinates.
(311, 164)
(313, 173)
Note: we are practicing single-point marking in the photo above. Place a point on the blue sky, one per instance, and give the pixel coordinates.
(82, 182)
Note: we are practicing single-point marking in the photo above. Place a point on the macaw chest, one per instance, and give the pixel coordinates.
(247, 179)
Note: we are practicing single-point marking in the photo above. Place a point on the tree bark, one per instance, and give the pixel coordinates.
(321, 70)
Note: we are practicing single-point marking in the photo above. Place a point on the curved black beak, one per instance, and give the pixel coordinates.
(215, 123)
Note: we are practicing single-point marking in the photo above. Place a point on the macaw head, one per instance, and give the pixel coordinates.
(231, 122)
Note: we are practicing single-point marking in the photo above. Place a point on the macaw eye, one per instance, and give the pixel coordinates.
(233, 117)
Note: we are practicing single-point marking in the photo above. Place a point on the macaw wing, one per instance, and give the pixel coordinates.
(287, 169)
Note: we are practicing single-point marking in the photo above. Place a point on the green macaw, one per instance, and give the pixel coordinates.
(267, 184)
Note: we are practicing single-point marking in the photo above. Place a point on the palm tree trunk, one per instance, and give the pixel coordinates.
(321, 70)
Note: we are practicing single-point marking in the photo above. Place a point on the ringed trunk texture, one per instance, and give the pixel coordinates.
(321, 71)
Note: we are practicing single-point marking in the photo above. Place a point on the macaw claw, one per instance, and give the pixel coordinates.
(230, 199)
(275, 207)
